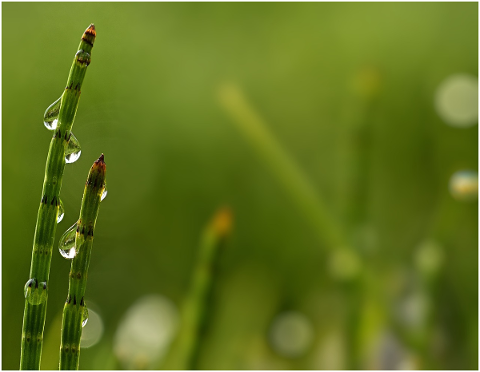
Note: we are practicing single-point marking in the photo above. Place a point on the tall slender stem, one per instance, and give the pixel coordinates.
(290, 175)
(185, 349)
(36, 289)
(75, 309)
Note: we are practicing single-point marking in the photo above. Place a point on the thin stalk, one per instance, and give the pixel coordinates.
(36, 289)
(290, 175)
(330, 231)
(75, 312)
(185, 349)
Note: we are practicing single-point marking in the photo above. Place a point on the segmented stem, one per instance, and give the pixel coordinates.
(75, 305)
(185, 350)
(34, 314)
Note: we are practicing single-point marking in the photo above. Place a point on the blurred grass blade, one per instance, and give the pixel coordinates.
(194, 313)
(292, 178)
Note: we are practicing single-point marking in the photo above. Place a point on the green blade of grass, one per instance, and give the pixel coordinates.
(185, 348)
(74, 311)
(36, 290)
(251, 125)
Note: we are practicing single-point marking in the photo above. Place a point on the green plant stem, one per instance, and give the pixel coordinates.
(74, 309)
(292, 178)
(34, 314)
(185, 349)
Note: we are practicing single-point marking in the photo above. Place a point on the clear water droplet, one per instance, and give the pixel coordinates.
(105, 192)
(50, 118)
(61, 212)
(85, 316)
(66, 245)
(73, 150)
(35, 291)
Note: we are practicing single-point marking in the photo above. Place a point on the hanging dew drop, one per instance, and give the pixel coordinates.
(104, 192)
(50, 118)
(66, 245)
(61, 212)
(73, 150)
(35, 292)
(84, 316)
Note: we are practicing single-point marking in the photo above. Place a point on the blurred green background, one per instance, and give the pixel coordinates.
(348, 90)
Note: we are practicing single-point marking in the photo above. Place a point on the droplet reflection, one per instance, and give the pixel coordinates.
(92, 331)
(61, 212)
(73, 150)
(50, 118)
(66, 244)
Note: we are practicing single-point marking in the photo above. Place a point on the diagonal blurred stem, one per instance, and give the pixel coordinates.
(329, 230)
(290, 175)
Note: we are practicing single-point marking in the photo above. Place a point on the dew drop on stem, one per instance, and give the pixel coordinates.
(66, 245)
(35, 291)
(84, 316)
(61, 212)
(50, 118)
(104, 192)
(73, 150)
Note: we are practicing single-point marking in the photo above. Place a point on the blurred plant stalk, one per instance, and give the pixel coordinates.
(292, 178)
(36, 289)
(346, 264)
(194, 313)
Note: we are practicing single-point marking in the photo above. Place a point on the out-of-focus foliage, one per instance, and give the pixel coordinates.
(350, 93)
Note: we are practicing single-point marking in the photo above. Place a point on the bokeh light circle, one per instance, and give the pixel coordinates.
(456, 100)
(291, 334)
(93, 330)
(145, 332)
(464, 185)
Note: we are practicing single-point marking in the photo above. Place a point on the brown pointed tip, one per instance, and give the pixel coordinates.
(99, 163)
(89, 34)
(91, 30)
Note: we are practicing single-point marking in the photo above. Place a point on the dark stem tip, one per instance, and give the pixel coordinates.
(99, 163)
(90, 34)
(91, 29)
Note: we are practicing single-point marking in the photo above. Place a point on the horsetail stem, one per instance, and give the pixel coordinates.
(63, 114)
(75, 313)
(185, 349)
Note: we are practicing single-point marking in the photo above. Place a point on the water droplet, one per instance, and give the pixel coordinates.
(93, 331)
(50, 118)
(464, 185)
(35, 291)
(66, 245)
(61, 212)
(85, 316)
(73, 150)
(104, 193)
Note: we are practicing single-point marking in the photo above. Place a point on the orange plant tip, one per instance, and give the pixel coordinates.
(223, 221)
